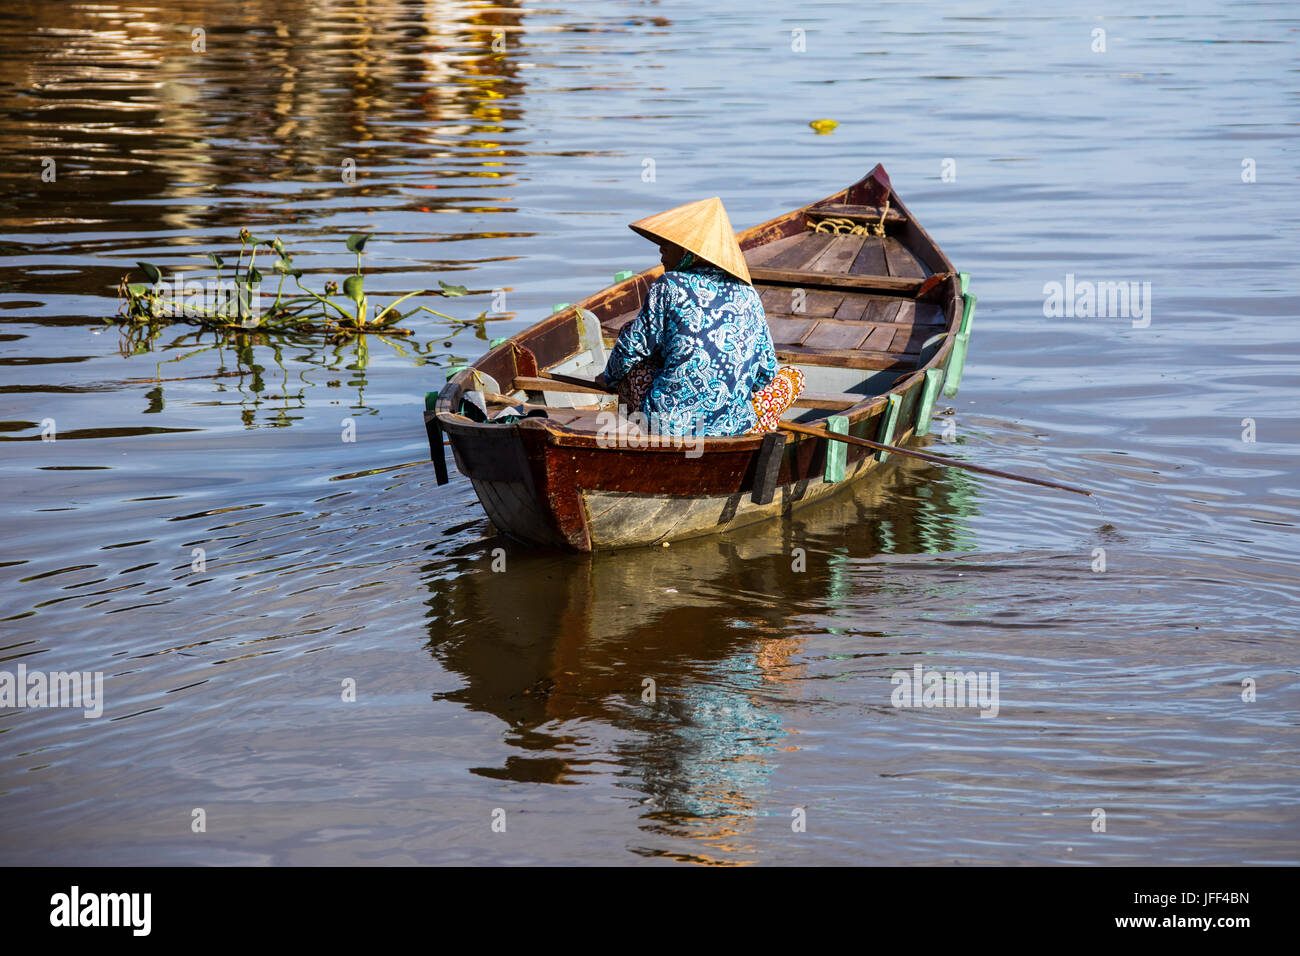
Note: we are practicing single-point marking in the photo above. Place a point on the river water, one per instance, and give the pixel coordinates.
(236, 569)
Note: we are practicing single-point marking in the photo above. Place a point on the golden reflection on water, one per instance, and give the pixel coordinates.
(155, 108)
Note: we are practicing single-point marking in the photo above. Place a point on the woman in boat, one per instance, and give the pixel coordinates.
(698, 358)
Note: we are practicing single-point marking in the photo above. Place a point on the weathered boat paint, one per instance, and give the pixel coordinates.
(933, 383)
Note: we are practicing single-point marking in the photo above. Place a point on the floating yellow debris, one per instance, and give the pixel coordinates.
(823, 126)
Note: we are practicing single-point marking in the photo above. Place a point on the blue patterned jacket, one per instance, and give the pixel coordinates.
(708, 333)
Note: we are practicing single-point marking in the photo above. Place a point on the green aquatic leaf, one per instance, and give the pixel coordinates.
(136, 289)
(253, 277)
(151, 270)
(352, 287)
(452, 290)
(357, 242)
(216, 260)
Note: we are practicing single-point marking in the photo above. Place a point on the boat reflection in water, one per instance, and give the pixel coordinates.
(562, 647)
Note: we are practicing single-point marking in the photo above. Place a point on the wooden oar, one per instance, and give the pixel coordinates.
(933, 459)
(529, 373)
(579, 383)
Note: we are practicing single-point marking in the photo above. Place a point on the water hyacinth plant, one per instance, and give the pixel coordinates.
(236, 303)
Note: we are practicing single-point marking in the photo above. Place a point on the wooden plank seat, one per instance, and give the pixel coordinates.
(614, 324)
(803, 278)
(848, 307)
(847, 358)
(836, 401)
(855, 213)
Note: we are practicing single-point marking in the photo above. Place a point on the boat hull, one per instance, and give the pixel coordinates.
(886, 328)
(622, 519)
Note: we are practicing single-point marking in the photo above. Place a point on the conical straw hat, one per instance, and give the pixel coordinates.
(701, 227)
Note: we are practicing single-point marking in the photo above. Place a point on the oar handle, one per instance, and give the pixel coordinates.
(574, 380)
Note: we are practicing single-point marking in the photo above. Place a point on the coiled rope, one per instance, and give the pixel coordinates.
(847, 227)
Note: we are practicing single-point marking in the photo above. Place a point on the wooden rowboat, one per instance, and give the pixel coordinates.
(857, 295)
